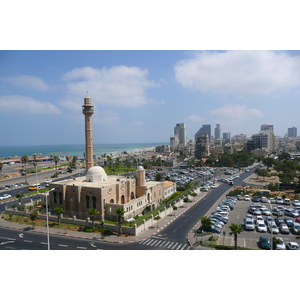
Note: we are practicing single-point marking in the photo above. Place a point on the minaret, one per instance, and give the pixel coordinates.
(88, 110)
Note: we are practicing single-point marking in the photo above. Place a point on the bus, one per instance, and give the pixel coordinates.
(34, 187)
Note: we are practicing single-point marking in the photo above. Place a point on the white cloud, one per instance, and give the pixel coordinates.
(116, 86)
(194, 118)
(28, 81)
(240, 72)
(137, 123)
(27, 105)
(237, 113)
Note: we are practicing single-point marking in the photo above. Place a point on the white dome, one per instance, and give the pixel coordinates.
(140, 168)
(96, 173)
(96, 170)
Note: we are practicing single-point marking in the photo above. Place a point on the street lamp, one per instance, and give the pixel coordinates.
(47, 218)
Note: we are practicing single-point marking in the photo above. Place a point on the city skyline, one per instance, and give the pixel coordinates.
(139, 96)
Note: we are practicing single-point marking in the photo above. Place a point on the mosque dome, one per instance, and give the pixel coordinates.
(96, 173)
(140, 168)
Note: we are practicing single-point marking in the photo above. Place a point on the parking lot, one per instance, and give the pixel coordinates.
(249, 238)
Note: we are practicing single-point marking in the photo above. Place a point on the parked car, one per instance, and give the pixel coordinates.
(265, 212)
(261, 227)
(260, 219)
(283, 228)
(277, 212)
(295, 227)
(249, 225)
(264, 200)
(247, 198)
(296, 203)
(289, 222)
(279, 200)
(280, 244)
(297, 220)
(255, 199)
(287, 201)
(292, 246)
(273, 227)
(279, 221)
(264, 242)
(290, 212)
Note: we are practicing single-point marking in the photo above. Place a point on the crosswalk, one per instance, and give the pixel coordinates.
(164, 244)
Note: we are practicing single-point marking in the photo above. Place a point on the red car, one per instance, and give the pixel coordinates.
(297, 220)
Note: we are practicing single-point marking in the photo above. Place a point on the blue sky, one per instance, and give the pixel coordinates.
(139, 96)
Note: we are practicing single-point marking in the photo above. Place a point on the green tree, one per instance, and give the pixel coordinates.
(33, 217)
(58, 211)
(235, 230)
(24, 160)
(206, 221)
(174, 208)
(93, 212)
(19, 196)
(1, 167)
(56, 160)
(120, 212)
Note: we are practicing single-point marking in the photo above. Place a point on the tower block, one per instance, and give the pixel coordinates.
(88, 110)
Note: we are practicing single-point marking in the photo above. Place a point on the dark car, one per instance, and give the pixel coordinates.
(255, 199)
(264, 243)
(289, 222)
(279, 221)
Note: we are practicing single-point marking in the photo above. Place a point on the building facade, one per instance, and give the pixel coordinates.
(292, 132)
(180, 131)
(205, 129)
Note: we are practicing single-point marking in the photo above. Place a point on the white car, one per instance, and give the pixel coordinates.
(280, 245)
(265, 212)
(292, 246)
(260, 219)
(48, 181)
(247, 198)
(261, 227)
(249, 225)
(214, 186)
(5, 196)
(273, 227)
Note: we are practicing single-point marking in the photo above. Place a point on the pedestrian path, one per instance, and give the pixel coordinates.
(164, 244)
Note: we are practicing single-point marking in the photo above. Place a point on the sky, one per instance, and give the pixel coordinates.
(140, 95)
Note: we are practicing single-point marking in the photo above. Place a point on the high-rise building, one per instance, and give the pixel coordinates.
(226, 137)
(266, 127)
(201, 146)
(205, 129)
(218, 132)
(180, 131)
(174, 142)
(292, 132)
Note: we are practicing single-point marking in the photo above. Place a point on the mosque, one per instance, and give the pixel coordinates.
(106, 193)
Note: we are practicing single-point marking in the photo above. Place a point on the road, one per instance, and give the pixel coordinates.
(172, 237)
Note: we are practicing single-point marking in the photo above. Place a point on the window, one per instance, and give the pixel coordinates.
(87, 202)
(94, 202)
(60, 198)
(55, 197)
(111, 201)
(132, 195)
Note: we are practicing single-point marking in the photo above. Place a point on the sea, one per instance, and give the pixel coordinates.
(73, 150)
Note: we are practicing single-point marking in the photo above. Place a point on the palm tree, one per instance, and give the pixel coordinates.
(56, 160)
(58, 210)
(24, 160)
(93, 212)
(206, 221)
(19, 196)
(120, 212)
(1, 167)
(235, 230)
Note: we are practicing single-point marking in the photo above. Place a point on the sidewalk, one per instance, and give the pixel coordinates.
(112, 239)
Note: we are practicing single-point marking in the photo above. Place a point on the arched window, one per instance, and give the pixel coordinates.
(87, 202)
(132, 195)
(94, 202)
(111, 201)
(60, 197)
(122, 199)
(55, 197)
(148, 197)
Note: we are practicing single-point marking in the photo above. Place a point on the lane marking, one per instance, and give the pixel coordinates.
(27, 241)
(44, 243)
(62, 245)
(81, 247)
